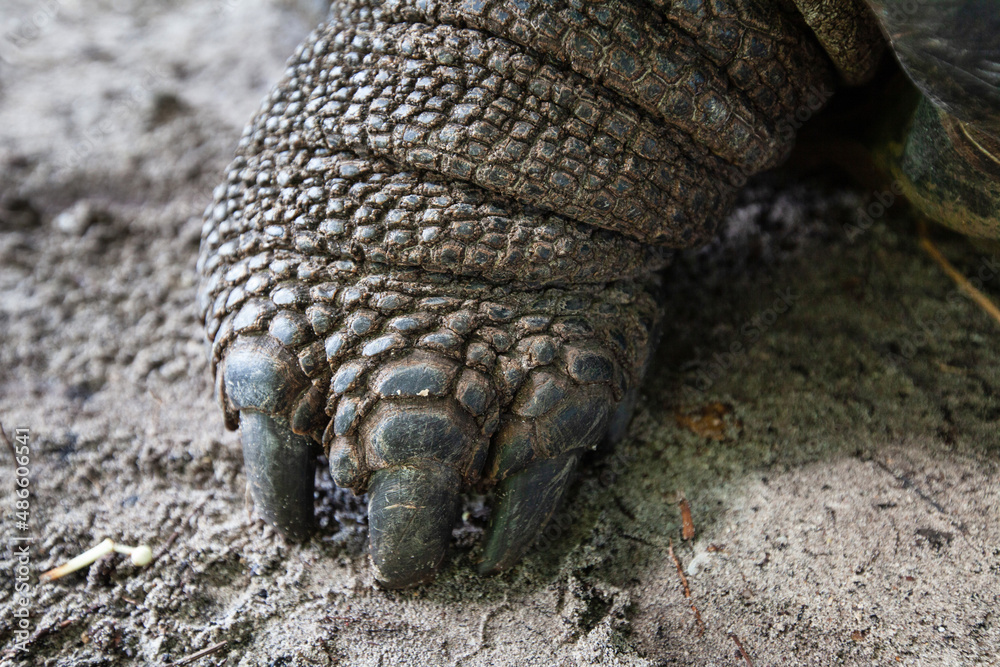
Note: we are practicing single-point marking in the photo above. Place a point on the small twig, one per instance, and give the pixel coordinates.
(623, 508)
(687, 589)
(743, 651)
(687, 523)
(909, 485)
(680, 570)
(199, 654)
(169, 543)
(197, 508)
(697, 619)
(963, 283)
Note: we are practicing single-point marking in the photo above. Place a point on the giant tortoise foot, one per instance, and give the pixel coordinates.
(429, 397)
(435, 254)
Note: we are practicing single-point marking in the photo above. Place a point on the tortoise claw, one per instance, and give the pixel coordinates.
(411, 512)
(620, 419)
(525, 503)
(423, 448)
(263, 384)
(553, 420)
(280, 468)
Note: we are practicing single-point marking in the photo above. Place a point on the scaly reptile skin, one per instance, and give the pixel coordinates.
(436, 252)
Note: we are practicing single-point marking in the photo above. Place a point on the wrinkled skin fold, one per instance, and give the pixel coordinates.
(435, 257)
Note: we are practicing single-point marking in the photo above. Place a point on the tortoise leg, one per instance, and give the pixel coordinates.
(432, 251)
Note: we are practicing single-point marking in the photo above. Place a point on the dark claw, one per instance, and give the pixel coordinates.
(263, 383)
(411, 511)
(421, 448)
(620, 419)
(525, 502)
(280, 469)
(554, 419)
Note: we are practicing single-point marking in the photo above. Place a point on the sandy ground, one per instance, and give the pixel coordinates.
(841, 466)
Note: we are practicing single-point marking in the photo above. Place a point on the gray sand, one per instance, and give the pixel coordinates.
(846, 502)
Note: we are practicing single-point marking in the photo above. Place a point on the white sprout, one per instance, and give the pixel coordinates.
(140, 556)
